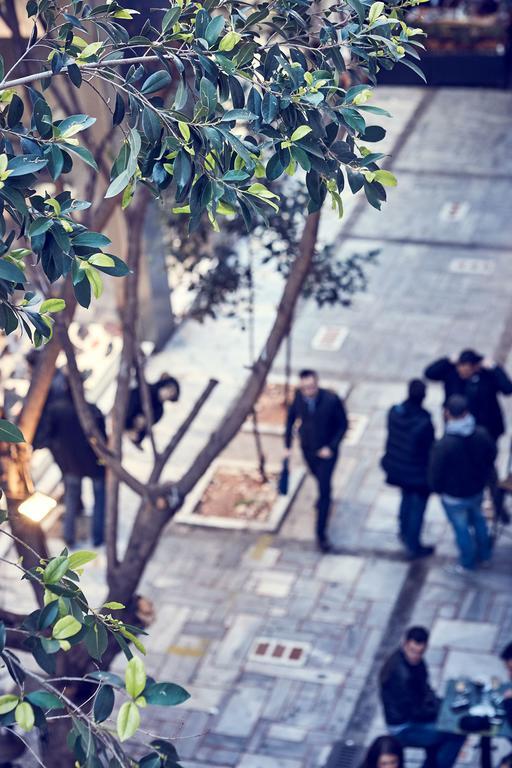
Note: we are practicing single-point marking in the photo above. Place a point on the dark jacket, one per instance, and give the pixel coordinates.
(325, 426)
(65, 438)
(405, 692)
(136, 409)
(481, 391)
(410, 438)
(460, 466)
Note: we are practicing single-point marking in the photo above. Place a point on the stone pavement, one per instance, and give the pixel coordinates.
(278, 645)
(229, 600)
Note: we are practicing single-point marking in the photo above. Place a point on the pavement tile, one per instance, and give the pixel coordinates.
(468, 635)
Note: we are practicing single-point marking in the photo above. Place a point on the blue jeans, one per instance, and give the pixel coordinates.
(412, 510)
(72, 491)
(470, 529)
(441, 747)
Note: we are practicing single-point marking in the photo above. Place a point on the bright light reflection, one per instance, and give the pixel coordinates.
(37, 506)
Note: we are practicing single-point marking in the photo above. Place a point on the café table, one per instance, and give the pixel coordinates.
(465, 697)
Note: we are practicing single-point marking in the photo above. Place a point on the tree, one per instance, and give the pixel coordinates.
(213, 103)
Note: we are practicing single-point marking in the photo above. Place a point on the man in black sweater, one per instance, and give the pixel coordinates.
(405, 462)
(323, 423)
(480, 381)
(460, 465)
(411, 706)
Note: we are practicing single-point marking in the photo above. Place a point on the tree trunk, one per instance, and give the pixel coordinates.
(151, 518)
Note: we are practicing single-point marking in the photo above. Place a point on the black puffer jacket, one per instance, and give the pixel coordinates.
(405, 692)
(460, 465)
(410, 438)
(481, 391)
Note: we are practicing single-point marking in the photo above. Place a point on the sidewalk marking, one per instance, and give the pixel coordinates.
(261, 546)
(188, 650)
(329, 338)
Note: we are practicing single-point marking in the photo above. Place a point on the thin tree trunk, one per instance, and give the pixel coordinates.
(151, 519)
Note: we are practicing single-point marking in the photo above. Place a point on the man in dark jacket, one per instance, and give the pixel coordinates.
(76, 460)
(411, 706)
(480, 382)
(506, 657)
(323, 423)
(459, 471)
(410, 438)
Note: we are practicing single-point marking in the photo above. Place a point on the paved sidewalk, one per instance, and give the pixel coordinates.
(278, 645)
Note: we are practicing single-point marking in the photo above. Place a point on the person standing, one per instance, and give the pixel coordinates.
(76, 460)
(323, 423)
(166, 389)
(405, 462)
(480, 381)
(411, 706)
(460, 465)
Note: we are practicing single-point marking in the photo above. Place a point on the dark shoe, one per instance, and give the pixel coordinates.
(421, 552)
(325, 546)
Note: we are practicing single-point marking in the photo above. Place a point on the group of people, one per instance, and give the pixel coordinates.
(411, 709)
(458, 466)
(61, 432)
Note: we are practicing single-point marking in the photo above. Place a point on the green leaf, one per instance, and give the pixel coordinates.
(45, 700)
(208, 95)
(11, 272)
(24, 716)
(103, 703)
(156, 82)
(375, 11)
(414, 67)
(113, 606)
(118, 184)
(55, 570)
(300, 132)
(170, 17)
(83, 154)
(22, 166)
(74, 124)
(80, 558)
(8, 702)
(66, 627)
(214, 29)
(95, 281)
(386, 178)
(166, 694)
(39, 226)
(135, 677)
(96, 640)
(229, 41)
(128, 720)
(52, 305)
(101, 260)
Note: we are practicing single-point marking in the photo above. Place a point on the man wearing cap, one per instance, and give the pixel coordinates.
(480, 381)
(459, 470)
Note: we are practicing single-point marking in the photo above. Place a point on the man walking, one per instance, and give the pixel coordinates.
(459, 471)
(480, 381)
(323, 423)
(411, 706)
(410, 438)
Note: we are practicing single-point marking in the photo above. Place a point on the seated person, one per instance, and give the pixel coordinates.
(166, 389)
(411, 706)
(506, 657)
(384, 752)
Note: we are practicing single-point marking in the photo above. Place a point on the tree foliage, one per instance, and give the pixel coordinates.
(66, 621)
(212, 101)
